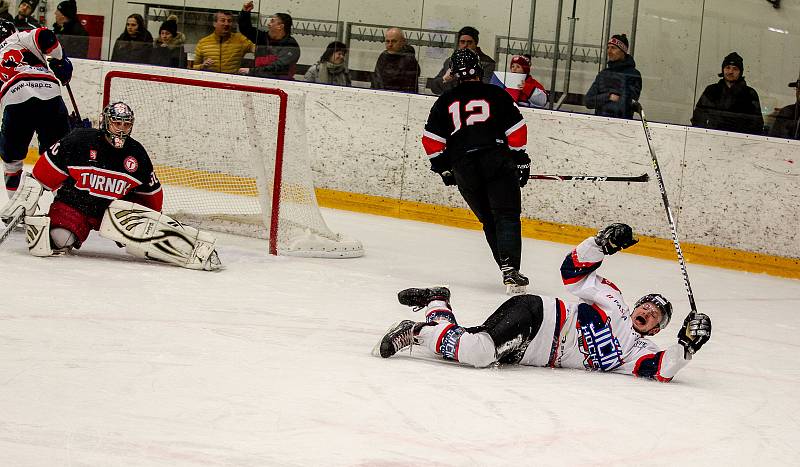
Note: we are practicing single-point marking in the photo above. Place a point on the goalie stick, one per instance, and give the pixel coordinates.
(15, 220)
(590, 178)
(638, 107)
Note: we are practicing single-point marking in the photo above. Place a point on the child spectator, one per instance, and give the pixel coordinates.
(331, 67)
(168, 47)
(135, 44)
(531, 93)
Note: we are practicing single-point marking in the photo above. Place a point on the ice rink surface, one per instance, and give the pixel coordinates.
(110, 361)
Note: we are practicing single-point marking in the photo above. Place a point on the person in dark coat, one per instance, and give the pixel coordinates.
(25, 21)
(616, 86)
(730, 104)
(168, 47)
(135, 44)
(787, 122)
(277, 52)
(69, 30)
(396, 68)
(467, 39)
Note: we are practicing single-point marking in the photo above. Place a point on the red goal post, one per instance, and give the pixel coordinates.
(212, 184)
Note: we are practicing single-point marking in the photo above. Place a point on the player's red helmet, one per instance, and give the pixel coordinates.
(114, 113)
(465, 64)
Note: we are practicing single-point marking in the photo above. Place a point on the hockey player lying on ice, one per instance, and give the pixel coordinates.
(599, 332)
(104, 180)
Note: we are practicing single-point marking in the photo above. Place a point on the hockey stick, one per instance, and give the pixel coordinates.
(15, 220)
(74, 104)
(590, 178)
(671, 219)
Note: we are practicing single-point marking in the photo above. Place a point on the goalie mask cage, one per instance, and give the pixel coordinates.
(232, 158)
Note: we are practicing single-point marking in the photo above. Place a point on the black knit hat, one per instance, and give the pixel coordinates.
(795, 84)
(171, 25)
(68, 8)
(31, 3)
(733, 59)
(469, 31)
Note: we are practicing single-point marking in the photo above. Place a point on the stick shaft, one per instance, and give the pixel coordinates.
(670, 218)
(590, 178)
(74, 104)
(19, 215)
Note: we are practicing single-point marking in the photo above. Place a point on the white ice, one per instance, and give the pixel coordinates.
(110, 361)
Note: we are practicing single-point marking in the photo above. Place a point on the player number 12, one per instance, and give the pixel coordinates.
(477, 111)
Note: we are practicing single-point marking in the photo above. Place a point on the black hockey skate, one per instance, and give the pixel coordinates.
(514, 281)
(397, 338)
(419, 298)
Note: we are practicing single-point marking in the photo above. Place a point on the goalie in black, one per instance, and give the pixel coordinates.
(104, 180)
(475, 137)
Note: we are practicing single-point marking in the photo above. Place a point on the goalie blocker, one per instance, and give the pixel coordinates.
(145, 233)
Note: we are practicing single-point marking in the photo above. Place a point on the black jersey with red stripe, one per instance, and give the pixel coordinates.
(473, 116)
(89, 173)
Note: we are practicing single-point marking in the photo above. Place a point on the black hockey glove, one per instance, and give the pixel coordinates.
(523, 163)
(695, 332)
(448, 178)
(62, 69)
(636, 107)
(615, 237)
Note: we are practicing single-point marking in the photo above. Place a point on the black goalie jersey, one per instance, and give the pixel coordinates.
(89, 173)
(472, 117)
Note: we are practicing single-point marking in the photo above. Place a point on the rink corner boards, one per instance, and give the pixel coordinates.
(727, 258)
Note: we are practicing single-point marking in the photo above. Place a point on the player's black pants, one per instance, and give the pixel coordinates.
(489, 183)
(49, 119)
(513, 326)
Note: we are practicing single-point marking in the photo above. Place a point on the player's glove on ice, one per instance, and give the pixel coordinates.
(523, 163)
(614, 238)
(695, 332)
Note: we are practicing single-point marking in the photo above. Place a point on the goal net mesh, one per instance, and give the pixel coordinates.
(230, 160)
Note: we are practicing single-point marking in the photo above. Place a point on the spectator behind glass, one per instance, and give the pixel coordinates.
(4, 14)
(135, 43)
(787, 122)
(730, 104)
(467, 39)
(397, 68)
(616, 86)
(277, 52)
(24, 21)
(531, 93)
(69, 30)
(222, 50)
(168, 47)
(331, 67)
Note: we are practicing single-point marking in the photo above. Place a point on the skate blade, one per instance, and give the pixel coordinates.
(515, 289)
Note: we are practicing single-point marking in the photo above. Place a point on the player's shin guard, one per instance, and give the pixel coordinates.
(37, 235)
(456, 343)
(150, 234)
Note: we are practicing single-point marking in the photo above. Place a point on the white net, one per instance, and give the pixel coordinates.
(215, 148)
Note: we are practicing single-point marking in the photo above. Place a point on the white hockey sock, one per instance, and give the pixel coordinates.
(439, 310)
(454, 343)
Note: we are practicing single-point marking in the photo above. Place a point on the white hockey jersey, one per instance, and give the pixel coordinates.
(23, 66)
(597, 332)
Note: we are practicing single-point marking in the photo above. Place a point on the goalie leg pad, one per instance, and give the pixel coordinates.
(37, 235)
(26, 197)
(150, 234)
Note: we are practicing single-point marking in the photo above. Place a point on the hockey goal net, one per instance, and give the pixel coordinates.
(232, 158)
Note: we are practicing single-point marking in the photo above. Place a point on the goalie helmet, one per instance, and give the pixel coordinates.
(114, 114)
(662, 303)
(7, 28)
(465, 64)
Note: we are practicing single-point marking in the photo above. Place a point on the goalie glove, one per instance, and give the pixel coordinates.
(695, 332)
(615, 237)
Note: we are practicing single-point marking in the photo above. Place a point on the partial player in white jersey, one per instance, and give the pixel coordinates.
(599, 332)
(30, 96)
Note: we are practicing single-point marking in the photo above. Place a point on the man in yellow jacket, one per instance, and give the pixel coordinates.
(222, 51)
